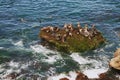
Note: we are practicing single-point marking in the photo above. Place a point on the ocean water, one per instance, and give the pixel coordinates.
(20, 23)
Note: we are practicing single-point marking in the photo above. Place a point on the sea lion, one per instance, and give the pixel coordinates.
(79, 28)
(78, 25)
(70, 27)
(58, 37)
(64, 37)
(51, 28)
(70, 34)
(22, 20)
(66, 27)
(56, 29)
(46, 29)
(94, 29)
(91, 33)
(85, 31)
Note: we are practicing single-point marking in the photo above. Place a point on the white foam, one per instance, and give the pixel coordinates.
(42, 50)
(1, 70)
(14, 64)
(99, 50)
(1, 47)
(25, 66)
(19, 43)
(7, 73)
(71, 76)
(13, 67)
(80, 59)
(109, 45)
(52, 59)
(58, 77)
(94, 73)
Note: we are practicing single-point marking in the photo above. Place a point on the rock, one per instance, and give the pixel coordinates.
(115, 62)
(12, 75)
(117, 52)
(109, 75)
(71, 39)
(81, 76)
(64, 79)
(103, 76)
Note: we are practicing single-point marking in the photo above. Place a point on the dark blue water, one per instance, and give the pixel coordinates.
(21, 20)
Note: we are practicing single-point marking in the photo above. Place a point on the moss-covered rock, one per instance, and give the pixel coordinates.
(69, 39)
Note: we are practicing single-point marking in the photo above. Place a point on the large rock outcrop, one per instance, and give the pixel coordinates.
(115, 61)
(71, 39)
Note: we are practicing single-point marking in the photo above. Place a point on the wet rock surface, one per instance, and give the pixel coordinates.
(102, 76)
(81, 76)
(64, 79)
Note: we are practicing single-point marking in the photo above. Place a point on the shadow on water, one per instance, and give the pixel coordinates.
(6, 55)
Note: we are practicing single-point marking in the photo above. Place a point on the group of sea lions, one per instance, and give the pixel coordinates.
(68, 30)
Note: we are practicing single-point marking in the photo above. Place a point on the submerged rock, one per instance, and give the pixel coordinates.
(71, 39)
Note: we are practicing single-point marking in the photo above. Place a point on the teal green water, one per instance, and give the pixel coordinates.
(21, 20)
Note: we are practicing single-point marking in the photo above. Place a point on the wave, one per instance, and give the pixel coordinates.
(12, 67)
(49, 55)
(94, 73)
(19, 43)
(95, 65)
(71, 76)
(1, 48)
(81, 60)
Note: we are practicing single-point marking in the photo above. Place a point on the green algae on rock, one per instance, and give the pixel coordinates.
(71, 39)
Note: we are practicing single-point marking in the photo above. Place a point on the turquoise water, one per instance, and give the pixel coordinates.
(21, 20)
